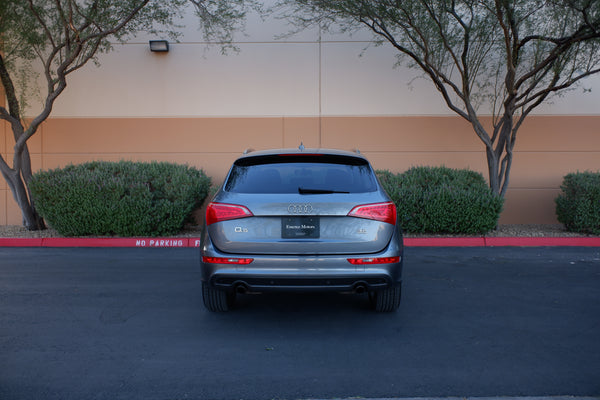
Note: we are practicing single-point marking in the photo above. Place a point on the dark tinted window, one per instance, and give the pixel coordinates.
(301, 174)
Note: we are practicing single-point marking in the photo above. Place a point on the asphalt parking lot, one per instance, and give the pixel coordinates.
(129, 323)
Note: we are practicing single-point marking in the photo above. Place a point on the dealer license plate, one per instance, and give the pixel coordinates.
(300, 228)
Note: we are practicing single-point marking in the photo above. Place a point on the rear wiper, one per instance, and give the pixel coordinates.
(318, 191)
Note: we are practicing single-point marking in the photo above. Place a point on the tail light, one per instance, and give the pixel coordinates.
(374, 260)
(384, 212)
(216, 212)
(226, 260)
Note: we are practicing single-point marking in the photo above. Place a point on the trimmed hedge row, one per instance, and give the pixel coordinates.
(154, 199)
(578, 205)
(119, 198)
(442, 200)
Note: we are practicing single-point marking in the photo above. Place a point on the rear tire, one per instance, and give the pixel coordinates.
(217, 300)
(386, 300)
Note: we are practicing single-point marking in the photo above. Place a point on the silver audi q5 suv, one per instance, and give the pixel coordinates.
(301, 219)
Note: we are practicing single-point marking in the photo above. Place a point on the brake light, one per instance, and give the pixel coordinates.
(384, 212)
(216, 212)
(225, 260)
(375, 260)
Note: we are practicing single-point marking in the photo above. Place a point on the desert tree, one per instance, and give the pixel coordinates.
(60, 37)
(485, 57)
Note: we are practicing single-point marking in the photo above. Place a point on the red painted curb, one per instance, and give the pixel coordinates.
(409, 242)
(543, 241)
(445, 242)
(20, 242)
(100, 242)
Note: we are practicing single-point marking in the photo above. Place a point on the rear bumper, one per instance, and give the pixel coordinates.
(256, 283)
(302, 272)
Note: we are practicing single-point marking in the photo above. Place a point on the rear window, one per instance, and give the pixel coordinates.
(306, 174)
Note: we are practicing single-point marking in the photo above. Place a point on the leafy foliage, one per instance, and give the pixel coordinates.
(578, 205)
(442, 200)
(220, 19)
(124, 198)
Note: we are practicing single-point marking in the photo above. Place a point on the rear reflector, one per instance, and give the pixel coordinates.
(374, 260)
(216, 212)
(384, 212)
(225, 260)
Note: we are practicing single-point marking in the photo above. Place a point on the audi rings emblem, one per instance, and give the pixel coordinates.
(300, 208)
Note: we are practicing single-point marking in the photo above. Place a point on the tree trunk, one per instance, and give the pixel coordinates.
(493, 170)
(17, 185)
(499, 166)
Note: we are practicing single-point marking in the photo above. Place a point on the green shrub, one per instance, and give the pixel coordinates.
(119, 198)
(442, 200)
(578, 205)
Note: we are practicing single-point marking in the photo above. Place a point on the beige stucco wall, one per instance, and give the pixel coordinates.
(548, 148)
(198, 106)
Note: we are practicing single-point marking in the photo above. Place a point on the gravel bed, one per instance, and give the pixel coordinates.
(519, 230)
(16, 231)
(529, 230)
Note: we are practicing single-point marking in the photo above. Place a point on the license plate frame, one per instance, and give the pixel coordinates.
(300, 227)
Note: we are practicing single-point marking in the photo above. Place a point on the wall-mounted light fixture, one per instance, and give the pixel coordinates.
(160, 46)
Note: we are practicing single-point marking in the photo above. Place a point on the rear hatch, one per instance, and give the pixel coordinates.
(301, 204)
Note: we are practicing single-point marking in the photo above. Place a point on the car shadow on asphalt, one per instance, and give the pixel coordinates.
(305, 302)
